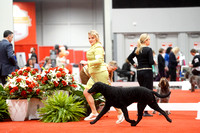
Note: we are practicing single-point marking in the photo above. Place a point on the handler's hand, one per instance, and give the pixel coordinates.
(83, 62)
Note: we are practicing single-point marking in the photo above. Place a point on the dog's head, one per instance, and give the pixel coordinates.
(164, 85)
(97, 88)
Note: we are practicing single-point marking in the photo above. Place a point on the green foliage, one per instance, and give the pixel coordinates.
(78, 92)
(3, 93)
(61, 108)
(3, 109)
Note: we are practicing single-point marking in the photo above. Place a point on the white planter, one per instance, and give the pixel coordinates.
(34, 104)
(17, 108)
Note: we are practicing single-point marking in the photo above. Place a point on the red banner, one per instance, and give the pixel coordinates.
(24, 22)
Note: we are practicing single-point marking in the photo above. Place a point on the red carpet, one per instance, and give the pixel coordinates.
(182, 122)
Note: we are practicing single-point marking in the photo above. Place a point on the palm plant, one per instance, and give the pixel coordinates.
(61, 108)
(3, 109)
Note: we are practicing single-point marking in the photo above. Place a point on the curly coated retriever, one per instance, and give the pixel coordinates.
(120, 97)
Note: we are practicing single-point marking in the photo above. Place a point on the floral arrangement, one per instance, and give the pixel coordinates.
(56, 78)
(22, 84)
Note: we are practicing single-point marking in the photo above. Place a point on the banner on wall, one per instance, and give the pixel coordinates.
(197, 45)
(24, 22)
(165, 45)
(132, 46)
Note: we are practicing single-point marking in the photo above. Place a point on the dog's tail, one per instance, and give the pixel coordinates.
(161, 96)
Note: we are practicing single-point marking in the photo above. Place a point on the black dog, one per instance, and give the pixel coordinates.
(122, 97)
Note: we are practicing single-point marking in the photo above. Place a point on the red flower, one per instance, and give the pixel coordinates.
(33, 72)
(63, 74)
(72, 79)
(23, 93)
(64, 83)
(36, 69)
(12, 91)
(28, 82)
(15, 88)
(16, 70)
(28, 69)
(37, 91)
(10, 87)
(58, 75)
(39, 77)
(13, 74)
(20, 72)
(45, 78)
(61, 69)
(56, 84)
(25, 74)
(30, 86)
(73, 85)
(43, 82)
(19, 80)
(29, 90)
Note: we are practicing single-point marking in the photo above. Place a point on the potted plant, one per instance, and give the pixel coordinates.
(60, 107)
(21, 85)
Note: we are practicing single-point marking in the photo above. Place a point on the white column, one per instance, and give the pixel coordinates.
(107, 30)
(6, 20)
(183, 44)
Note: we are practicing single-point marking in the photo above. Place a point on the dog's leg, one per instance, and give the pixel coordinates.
(104, 110)
(125, 112)
(157, 108)
(140, 107)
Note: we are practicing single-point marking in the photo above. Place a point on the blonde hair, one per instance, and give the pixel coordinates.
(175, 50)
(94, 33)
(141, 41)
(113, 63)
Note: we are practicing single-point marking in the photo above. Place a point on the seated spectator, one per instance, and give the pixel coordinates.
(47, 63)
(30, 63)
(36, 65)
(126, 71)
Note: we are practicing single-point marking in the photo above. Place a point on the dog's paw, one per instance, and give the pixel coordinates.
(92, 122)
(133, 124)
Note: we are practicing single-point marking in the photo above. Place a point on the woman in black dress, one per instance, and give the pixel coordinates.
(173, 62)
(145, 60)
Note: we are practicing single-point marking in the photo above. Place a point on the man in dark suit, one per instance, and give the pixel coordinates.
(7, 59)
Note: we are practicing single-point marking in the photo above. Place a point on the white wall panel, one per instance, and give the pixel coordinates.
(156, 20)
(81, 11)
(55, 12)
(99, 11)
(55, 34)
(79, 35)
(99, 29)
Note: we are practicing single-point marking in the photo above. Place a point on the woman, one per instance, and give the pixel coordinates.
(29, 63)
(47, 63)
(167, 61)
(145, 60)
(173, 62)
(96, 68)
(111, 67)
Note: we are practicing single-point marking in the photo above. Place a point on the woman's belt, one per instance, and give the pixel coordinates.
(144, 69)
